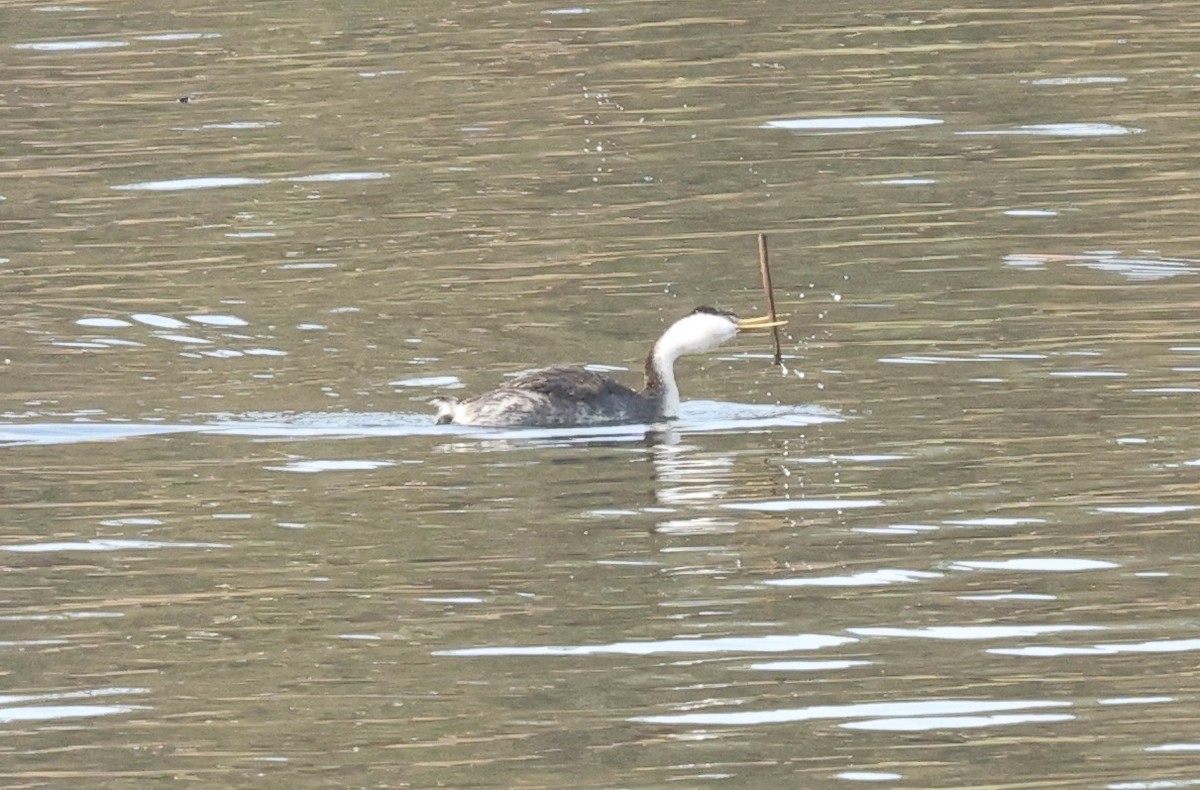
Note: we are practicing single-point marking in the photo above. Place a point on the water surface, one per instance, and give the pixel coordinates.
(241, 248)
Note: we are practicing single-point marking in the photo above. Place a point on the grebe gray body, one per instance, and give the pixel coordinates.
(564, 396)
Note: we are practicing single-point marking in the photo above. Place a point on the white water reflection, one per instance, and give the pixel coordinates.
(918, 709)
(236, 126)
(190, 340)
(1132, 268)
(773, 643)
(181, 184)
(783, 505)
(1031, 212)
(79, 344)
(70, 433)
(1009, 597)
(700, 525)
(850, 123)
(1097, 80)
(875, 578)
(442, 382)
(861, 458)
(1062, 130)
(159, 321)
(340, 465)
(14, 707)
(60, 616)
(695, 417)
(951, 359)
(686, 479)
(927, 723)
(56, 712)
(807, 666)
(1089, 374)
(70, 46)
(103, 323)
(901, 182)
(1037, 564)
(1109, 649)
(318, 177)
(165, 322)
(1147, 510)
(1134, 700)
(219, 182)
(972, 632)
(994, 521)
(898, 529)
(109, 544)
(308, 265)
(176, 36)
(216, 319)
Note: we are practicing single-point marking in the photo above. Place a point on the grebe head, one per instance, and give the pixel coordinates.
(704, 329)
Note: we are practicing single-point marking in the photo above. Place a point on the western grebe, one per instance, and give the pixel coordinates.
(565, 396)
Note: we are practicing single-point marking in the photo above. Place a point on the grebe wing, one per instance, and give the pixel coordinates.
(568, 383)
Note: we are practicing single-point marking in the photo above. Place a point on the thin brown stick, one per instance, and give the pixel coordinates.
(765, 267)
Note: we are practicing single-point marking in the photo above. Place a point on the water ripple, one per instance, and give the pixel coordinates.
(850, 123)
(774, 643)
(807, 666)
(926, 723)
(873, 578)
(310, 467)
(1132, 268)
(921, 709)
(1061, 130)
(15, 710)
(109, 544)
(1040, 564)
(775, 506)
(1109, 649)
(972, 632)
(69, 46)
(180, 184)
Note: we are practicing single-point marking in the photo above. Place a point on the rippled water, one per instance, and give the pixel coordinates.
(948, 545)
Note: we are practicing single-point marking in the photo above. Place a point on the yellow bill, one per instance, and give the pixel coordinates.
(759, 322)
